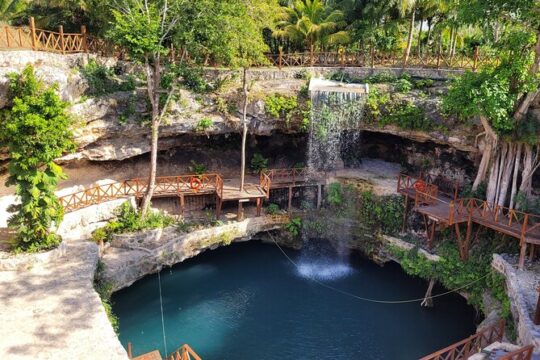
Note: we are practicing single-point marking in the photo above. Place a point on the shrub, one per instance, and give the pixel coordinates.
(35, 130)
(259, 163)
(294, 226)
(406, 115)
(334, 194)
(197, 168)
(403, 85)
(272, 209)
(279, 106)
(203, 124)
(382, 77)
(423, 83)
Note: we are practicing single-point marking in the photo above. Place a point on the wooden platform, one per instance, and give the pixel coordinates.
(152, 355)
(440, 208)
(231, 190)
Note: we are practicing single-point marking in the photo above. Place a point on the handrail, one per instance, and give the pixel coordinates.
(524, 353)
(288, 174)
(185, 352)
(375, 58)
(471, 345)
(165, 185)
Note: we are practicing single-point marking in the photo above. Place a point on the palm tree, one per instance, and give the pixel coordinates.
(405, 7)
(11, 9)
(311, 21)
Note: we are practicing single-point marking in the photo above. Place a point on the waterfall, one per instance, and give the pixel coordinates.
(336, 107)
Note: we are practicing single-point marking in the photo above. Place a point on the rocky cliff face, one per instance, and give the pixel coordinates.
(113, 126)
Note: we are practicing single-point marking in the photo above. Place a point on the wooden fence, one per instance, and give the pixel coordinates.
(31, 38)
(471, 345)
(376, 58)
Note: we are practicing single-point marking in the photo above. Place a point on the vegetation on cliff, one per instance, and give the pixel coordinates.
(35, 129)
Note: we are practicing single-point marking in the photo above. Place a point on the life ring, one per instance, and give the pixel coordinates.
(195, 184)
(419, 186)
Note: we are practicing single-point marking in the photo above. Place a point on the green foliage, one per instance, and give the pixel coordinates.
(453, 273)
(493, 93)
(101, 79)
(423, 83)
(381, 77)
(104, 290)
(203, 124)
(258, 163)
(35, 130)
(382, 109)
(130, 220)
(381, 213)
(406, 115)
(294, 226)
(192, 77)
(334, 194)
(403, 85)
(197, 168)
(280, 106)
(272, 209)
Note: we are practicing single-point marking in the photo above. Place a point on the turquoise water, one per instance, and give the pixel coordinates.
(247, 301)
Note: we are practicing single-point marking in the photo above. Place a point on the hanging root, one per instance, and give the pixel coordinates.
(428, 300)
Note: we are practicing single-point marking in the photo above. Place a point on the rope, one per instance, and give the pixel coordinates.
(162, 318)
(343, 292)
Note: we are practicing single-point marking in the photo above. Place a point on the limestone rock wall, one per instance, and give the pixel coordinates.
(132, 256)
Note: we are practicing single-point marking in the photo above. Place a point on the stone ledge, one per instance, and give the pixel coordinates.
(528, 333)
(126, 263)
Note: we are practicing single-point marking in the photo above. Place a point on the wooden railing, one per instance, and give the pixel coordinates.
(31, 38)
(287, 175)
(165, 186)
(447, 187)
(266, 184)
(525, 353)
(375, 58)
(184, 353)
(471, 345)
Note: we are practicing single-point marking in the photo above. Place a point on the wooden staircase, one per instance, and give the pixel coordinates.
(185, 352)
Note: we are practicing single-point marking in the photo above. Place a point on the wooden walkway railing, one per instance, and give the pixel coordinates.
(471, 345)
(184, 353)
(450, 210)
(31, 38)
(286, 175)
(375, 58)
(165, 186)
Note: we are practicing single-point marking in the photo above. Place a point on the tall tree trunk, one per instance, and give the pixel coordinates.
(429, 29)
(244, 129)
(419, 45)
(515, 176)
(506, 169)
(153, 81)
(409, 39)
(487, 154)
(450, 41)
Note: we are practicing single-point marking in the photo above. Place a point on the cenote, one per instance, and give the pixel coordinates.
(247, 301)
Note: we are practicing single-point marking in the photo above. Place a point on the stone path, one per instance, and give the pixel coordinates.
(51, 311)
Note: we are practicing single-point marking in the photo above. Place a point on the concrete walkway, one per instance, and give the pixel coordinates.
(51, 310)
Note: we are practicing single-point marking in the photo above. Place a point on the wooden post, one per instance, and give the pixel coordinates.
(537, 312)
(439, 55)
(218, 207)
(62, 45)
(406, 206)
(280, 57)
(319, 196)
(7, 36)
(311, 56)
(259, 206)
(523, 243)
(84, 39)
(475, 61)
(33, 33)
(129, 351)
(532, 252)
(240, 215)
(289, 206)
(182, 203)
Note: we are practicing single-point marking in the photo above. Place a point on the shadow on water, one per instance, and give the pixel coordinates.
(247, 301)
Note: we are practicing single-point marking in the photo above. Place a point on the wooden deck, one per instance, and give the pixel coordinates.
(443, 209)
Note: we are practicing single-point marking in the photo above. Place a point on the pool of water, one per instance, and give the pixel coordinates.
(247, 301)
